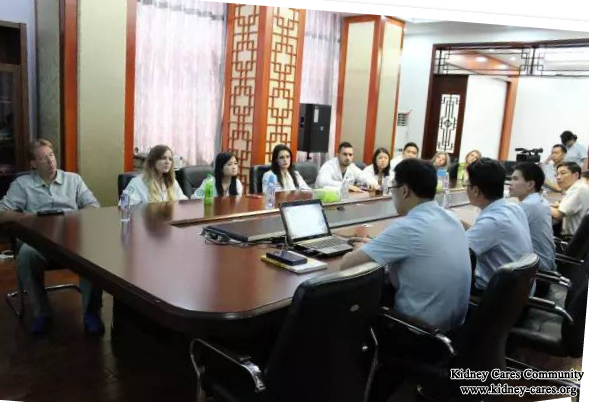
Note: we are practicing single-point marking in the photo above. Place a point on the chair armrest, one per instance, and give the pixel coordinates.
(544, 276)
(242, 361)
(549, 306)
(568, 260)
(419, 327)
(561, 245)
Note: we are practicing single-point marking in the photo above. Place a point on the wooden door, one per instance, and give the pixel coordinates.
(445, 115)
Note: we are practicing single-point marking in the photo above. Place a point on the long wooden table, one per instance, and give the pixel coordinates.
(159, 264)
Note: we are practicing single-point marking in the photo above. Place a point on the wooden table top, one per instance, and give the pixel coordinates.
(152, 261)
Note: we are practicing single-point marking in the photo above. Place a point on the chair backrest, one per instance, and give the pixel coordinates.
(124, 179)
(453, 170)
(509, 167)
(318, 351)
(483, 338)
(579, 245)
(360, 165)
(190, 177)
(576, 305)
(256, 173)
(309, 171)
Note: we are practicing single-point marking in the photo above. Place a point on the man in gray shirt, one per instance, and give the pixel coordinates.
(526, 184)
(48, 188)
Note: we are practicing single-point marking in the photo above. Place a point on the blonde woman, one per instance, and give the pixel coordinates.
(441, 160)
(471, 157)
(158, 182)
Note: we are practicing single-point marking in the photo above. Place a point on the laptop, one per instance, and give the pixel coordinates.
(307, 228)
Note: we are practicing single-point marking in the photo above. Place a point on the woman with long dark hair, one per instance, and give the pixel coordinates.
(288, 179)
(380, 167)
(226, 181)
(158, 182)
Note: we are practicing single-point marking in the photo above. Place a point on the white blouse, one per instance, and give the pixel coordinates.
(200, 191)
(139, 193)
(369, 172)
(288, 183)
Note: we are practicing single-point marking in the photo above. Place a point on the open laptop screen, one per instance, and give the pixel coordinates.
(304, 221)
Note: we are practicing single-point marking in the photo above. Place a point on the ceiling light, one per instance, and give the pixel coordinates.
(513, 58)
(492, 50)
(503, 66)
(481, 59)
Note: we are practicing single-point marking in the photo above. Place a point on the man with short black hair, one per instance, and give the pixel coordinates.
(426, 251)
(410, 150)
(526, 184)
(556, 157)
(341, 168)
(575, 203)
(500, 234)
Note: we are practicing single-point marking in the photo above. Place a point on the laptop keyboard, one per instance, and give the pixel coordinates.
(327, 243)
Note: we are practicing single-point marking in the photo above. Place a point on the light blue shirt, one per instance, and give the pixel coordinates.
(537, 211)
(428, 263)
(499, 236)
(576, 153)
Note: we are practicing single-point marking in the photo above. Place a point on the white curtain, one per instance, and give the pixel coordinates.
(179, 73)
(321, 63)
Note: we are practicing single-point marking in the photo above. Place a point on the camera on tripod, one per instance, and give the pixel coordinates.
(528, 155)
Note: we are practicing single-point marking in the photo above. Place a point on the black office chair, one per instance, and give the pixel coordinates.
(453, 171)
(554, 333)
(124, 179)
(480, 343)
(256, 174)
(16, 298)
(361, 165)
(190, 177)
(309, 171)
(509, 168)
(319, 353)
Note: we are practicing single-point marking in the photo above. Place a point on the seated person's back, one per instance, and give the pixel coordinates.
(500, 234)
(426, 251)
(526, 184)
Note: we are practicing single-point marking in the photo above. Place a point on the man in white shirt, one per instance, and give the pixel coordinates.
(575, 204)
(575, 152)
(557, 156)
(410, 150)
(336, 170)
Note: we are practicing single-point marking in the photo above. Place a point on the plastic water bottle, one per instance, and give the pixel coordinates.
(441, 177)
(446, 189)
(209, 186)
(384, 185)
(344, 189)
(271, 192)
(125, 206)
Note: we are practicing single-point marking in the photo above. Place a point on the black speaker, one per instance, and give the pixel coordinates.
(314, 127)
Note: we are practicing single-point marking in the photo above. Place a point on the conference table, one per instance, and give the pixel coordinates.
(161, 266)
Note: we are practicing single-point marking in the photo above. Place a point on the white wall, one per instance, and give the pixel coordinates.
(483, 116)
(23, 11)
(417, 57)
(545, 107)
